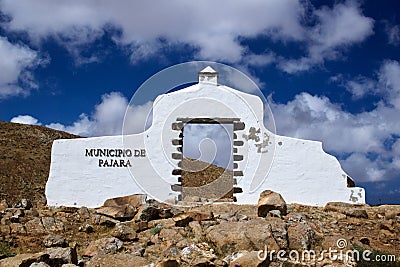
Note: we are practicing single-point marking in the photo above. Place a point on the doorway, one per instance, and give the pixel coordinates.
(207, 162)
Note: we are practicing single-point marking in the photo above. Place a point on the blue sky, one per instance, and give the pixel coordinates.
(330, 69)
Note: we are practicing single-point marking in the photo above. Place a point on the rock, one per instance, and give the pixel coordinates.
(270, 200)
(87, 228)
(123, 213)
(34, 227)
(300, 236)
(12, 215)
(24, 259)
(3, 205)
(166, 223)
(52, 225)
(148, 212)
(60, 256)
(172, 235)
(122, 208)
(84, 213)
(123, 232)
(132, 200)
(387, 225)
(40, 264)
(182, 220)
(24, 204)
(68, 209)
(250, 259)
(17, 229)
(274, 214)
(350, 210)
(103, 246)
(54, 241)
(168, 263)
(279, 232)
(245, 235)
(104, 220)
(117, 260)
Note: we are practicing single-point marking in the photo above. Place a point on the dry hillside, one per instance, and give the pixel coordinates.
(25, 160)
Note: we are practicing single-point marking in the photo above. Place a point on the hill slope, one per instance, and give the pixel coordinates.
(25, 152)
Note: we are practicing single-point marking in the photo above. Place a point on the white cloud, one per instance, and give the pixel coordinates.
(389, 79)
(393, 33)
(16, 64)
(343, 133)
(25, 119)
(106, 119)
(358, 86)
(336, 29)
(210, 143)
(211, 27)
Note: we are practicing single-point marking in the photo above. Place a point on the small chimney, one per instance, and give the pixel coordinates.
(208, 75)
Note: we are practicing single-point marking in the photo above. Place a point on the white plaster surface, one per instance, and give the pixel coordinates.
(297, 169)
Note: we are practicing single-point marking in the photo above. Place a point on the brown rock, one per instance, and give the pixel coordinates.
(125, 212)
(104, 220)
(351, 210)
(245, 235)
(165, 223)
(51, 224)
(103, 246)
(124, 232)
(300, 236)
(148, 212)
(270, 200)
(40, 264)
(24, 259)
(60, 256)
(117, 260)
(279, 232)
(17, 229)
(3, 205)
(249, 259)
(132, 200)
(387, 225)
(34, 227)
(54, 241)
(168, 263)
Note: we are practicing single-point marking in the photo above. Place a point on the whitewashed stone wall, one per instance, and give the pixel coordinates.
(298, 169)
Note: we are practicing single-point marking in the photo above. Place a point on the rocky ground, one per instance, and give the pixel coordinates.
(133, 231)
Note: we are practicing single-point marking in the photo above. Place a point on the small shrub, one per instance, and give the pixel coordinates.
(5, 249)
(156, 229)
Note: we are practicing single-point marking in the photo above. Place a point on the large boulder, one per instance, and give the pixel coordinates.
(24, 259)
(244, 235)
(122, 208)
(270, 200)
(133, 200)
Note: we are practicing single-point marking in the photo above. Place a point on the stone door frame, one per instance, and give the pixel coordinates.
(178, 126)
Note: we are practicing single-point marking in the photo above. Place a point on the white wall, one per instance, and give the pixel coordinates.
(298, 169)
